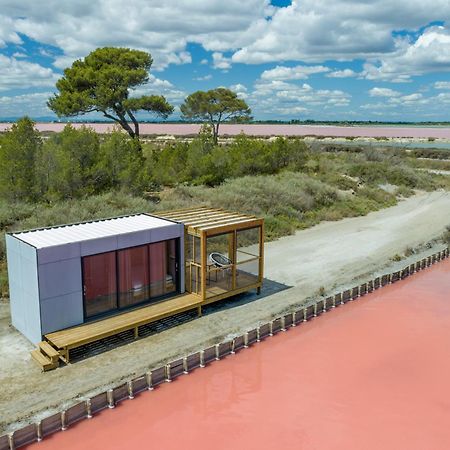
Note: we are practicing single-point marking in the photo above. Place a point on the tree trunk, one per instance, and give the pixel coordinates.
(216, 133)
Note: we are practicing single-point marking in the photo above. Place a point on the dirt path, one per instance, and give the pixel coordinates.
(329, 255)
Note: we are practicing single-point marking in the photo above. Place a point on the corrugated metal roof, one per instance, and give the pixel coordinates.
(67, 234)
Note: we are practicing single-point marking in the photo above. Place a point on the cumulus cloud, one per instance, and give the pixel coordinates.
(346, 73)
(288, 98)
(204, 78)
(429, 53)
(442, 85)
(220, 61)
(31, 104)
(162, 28)
(317, 30)
(292, 73)
(240, 90)
(383, 92)
(20, 74)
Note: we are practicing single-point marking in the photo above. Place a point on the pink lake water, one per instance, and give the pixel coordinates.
(182, 129)
(370, 375)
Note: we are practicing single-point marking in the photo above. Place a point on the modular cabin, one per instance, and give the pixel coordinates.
(75, 284)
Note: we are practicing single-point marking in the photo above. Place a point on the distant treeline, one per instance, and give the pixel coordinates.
(256, 122)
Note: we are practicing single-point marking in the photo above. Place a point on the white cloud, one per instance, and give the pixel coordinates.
(346, 73)
(158, 86)
(240, 90)
(442, 85)
(277, 97)
(292, 73)
(429, 53)
(27, 104)
(317, 30)
(383, 92)
(204, 78)
(220, 61)
(162, 28)
(19, 74)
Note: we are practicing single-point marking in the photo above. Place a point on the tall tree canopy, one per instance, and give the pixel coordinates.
(215, 106)
(102, 82)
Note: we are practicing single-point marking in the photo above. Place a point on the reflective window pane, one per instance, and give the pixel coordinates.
(133, 276)
(100, 292)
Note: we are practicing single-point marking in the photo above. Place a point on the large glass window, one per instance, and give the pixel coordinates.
(100, 284)
(129, 277)
(133, 276)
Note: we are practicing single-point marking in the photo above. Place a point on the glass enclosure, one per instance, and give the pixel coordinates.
(129, 277)
(233, 261)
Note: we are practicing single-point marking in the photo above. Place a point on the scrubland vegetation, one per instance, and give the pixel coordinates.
(77, 175)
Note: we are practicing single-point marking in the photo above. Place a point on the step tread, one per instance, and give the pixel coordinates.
(44, 361)
(49, 351)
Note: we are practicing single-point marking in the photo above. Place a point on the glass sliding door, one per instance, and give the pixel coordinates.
(163, 268)
(100, 284)
(133, 271)
(119, 280)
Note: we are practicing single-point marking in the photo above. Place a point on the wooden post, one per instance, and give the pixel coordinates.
(217, 350)
(233, 346)
(305, 314)
(203, 246)
(246, 339)
(88, 408)
(149, 379)
(199, 310)
(258, 334)
(271, 328)
(12, 445)
(39, 431)
(315, 309)
(283, 323)
(63, 421)
(202, 358)
(167, 373)
(130, 389)
(185, 365)
(294, 319)
(232, 254)
(136, 332)
(261, 255)
(110, 398)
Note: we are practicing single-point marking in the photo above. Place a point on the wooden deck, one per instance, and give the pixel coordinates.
(70, 338)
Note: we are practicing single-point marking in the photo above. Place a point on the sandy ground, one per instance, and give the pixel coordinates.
(331, 255)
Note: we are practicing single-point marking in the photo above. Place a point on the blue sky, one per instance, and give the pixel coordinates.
(309, 59)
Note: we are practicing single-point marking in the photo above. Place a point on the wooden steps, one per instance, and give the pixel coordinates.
(45, 356)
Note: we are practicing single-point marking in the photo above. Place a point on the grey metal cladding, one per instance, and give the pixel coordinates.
(133, 239)
(99, 245)
(24, 292)
(59, 252)
(59, 278)
(165, 233)
(62, 312)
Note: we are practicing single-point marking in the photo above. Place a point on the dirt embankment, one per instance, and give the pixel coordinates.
(330, 255)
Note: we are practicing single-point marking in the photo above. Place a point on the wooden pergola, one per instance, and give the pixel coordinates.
(237, 238)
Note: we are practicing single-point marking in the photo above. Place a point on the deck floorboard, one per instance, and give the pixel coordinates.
(90, 332)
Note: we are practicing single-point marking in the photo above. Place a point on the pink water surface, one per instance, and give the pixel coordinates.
(181, 129)
(372, 374)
